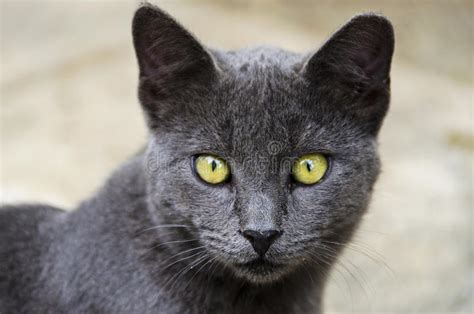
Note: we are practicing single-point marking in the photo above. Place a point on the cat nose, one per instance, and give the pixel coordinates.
(261, 240)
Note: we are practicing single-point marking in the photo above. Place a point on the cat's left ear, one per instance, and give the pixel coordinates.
(353, 66)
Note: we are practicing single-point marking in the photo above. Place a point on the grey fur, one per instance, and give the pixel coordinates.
(156, 239)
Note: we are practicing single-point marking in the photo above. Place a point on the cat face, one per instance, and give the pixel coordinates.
(258, 111)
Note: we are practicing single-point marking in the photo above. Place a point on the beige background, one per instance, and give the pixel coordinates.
(69, 115)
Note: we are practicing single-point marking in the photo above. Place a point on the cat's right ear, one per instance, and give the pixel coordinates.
(170, 59)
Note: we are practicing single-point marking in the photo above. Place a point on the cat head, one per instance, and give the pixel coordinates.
(268, 156)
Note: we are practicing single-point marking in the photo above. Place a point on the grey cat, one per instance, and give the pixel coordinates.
(259, 167)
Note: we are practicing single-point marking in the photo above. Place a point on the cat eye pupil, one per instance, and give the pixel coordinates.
(309, 165)
(213, 165)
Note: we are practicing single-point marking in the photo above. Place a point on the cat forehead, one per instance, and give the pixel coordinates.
(263, 81)
(262, 117)
(260, 99)
(258, 58)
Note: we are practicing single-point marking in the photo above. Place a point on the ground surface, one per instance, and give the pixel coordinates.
(69, 115)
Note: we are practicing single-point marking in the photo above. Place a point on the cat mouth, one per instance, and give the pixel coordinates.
(260, 270)
(260, 265)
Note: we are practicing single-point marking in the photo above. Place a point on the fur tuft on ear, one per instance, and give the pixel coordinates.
(170, 59)
(355, 64)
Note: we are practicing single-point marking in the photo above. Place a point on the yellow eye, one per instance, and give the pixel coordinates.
(309, 169)
(211, 169)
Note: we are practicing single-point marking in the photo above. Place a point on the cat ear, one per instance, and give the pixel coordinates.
(355, 64)
(169, 57)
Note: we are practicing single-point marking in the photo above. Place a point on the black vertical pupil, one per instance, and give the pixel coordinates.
(213, 165)
(308, 166)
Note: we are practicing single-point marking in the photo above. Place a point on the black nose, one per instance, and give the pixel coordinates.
(261, 240)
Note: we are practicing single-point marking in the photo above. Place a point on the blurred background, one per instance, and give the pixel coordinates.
(69, 116)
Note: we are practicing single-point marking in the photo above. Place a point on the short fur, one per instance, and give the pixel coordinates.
(156, 239)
